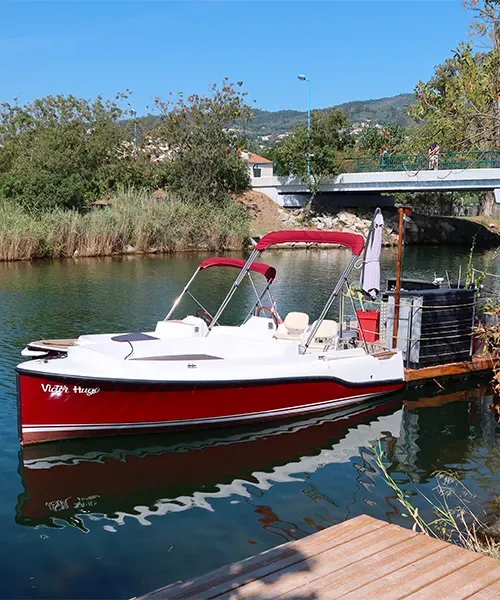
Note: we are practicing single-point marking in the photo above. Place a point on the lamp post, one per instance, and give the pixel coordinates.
(302, 77)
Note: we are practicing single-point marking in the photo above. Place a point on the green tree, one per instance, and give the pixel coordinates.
(59, 150)
(321, 149)
(459, 107)
(198, 132)
(373, 140)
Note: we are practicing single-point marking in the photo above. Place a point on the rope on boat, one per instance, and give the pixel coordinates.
(485, 273)
(426, 307)
(426, 339)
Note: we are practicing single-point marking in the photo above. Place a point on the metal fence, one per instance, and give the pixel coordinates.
(481, 159)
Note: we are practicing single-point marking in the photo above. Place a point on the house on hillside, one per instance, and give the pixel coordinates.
(258, 166)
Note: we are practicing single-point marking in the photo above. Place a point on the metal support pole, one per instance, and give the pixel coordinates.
(302, 77)
(341, 315)
(409, 335)
(259, 300)
(234, 287)
(331, 299)
(174, 305)
(308, 129)
(402, 210)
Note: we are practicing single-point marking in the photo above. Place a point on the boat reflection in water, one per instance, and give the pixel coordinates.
(146, 475)
(116, 478)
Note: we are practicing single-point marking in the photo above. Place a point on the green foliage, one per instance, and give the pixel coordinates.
(373, 140)
(459, 104)
(135, 218)
(322, 148)
(453, 507)
(204, 161)
(459, 107)
(63, 151)
(58, 150)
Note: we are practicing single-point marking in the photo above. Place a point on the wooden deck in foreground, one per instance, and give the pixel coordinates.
(359, 559)
(476, 365)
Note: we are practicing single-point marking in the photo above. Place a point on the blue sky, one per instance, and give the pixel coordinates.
(351, 50)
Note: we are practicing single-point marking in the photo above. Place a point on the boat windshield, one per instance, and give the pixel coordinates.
(267, 271)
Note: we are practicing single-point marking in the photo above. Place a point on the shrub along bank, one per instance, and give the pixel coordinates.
(134, 221)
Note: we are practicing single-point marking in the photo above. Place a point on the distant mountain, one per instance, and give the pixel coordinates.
(274, 123)
(382, 110)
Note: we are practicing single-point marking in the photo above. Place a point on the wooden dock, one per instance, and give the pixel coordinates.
(357, 560)
(477, 365)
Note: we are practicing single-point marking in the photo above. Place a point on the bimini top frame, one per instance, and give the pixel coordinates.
(266, 270)
(353, 241)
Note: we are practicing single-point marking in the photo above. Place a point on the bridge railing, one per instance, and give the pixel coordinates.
(481, 159)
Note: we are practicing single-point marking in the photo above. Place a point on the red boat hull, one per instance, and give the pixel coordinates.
(54, 408)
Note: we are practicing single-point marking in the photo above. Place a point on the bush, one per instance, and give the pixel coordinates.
(58, 151)
(135, 218)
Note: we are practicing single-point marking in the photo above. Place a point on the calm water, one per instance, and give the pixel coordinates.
(118, 517)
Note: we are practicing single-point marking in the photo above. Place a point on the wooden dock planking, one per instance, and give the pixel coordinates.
(374, 566)
(229, 577)
(464, 582)
(492, 592)
(478, 364)
(328, 566)
(358, 559)
(407, 580)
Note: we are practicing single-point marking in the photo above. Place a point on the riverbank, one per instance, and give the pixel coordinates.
(136, 222)
(132, 223)
(420, 230)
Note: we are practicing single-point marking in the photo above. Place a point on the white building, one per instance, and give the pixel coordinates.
(258, 166)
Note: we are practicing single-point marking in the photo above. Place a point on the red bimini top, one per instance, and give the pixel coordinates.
(266, 270)
(354, 241)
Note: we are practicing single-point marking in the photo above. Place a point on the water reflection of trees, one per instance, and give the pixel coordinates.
(433, 439)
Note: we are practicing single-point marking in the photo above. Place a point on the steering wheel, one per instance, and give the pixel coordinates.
(271, 312)
(205, 315)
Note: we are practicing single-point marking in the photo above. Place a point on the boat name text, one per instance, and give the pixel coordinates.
(59, 390)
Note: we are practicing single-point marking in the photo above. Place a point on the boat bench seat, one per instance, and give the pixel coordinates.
(293, 326)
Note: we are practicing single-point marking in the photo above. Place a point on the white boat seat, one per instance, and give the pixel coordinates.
(326, 331)
(293, 326)
(326, 334)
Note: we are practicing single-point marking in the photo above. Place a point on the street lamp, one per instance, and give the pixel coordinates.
(302, 77)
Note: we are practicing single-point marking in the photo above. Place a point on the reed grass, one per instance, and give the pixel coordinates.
(136, 221)
(454, 519)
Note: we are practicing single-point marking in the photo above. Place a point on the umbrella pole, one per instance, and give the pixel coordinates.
(402, 210)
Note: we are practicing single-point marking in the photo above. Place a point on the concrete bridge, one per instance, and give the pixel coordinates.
(391, 176)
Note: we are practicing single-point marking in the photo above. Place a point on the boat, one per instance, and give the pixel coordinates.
(167, 327)
(216, 375)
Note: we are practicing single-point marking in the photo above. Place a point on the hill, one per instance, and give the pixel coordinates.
(274, 123)
(381, 110)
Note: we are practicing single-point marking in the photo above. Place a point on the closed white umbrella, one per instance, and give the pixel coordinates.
(370, 277)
